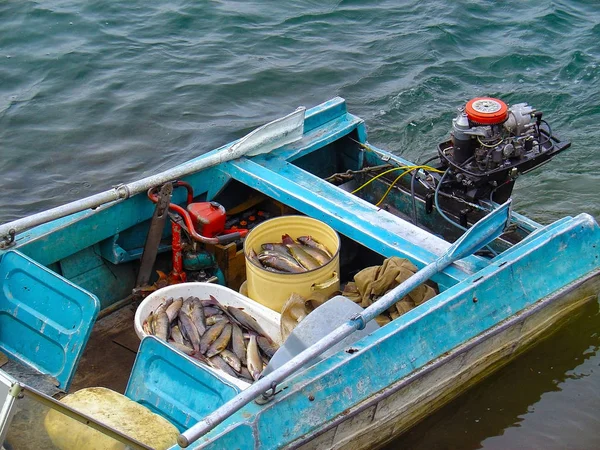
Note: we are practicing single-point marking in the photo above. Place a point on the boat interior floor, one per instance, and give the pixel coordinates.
(109, 354)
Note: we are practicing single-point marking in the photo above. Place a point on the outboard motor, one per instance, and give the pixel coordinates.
(492, 144)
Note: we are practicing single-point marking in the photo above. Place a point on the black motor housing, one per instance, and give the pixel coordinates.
(491, 145)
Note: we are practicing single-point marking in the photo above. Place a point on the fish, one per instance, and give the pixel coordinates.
(161, 325)
(246, 320)
(287, 239)
(197, 316)
(255, 364)
(220, 363)
(210, 302)
(212, 311)
(237, 343)
(210, 321)
(318, 254)
(211, 335)
(267, 346)
(181, 347)
(189, 330)
(176, 335)
(252, 256)
(173, 309)
(147, 326)
(164, 305)
(203, 359)
(220, 343)
(245, 375)
(275, 247)
(309, 241)
(231, 358)
(303, 257)
(280, 262)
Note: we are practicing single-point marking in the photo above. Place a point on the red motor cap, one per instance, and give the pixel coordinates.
(486, 110)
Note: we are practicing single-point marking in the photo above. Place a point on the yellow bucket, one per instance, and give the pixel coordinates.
(273, 289)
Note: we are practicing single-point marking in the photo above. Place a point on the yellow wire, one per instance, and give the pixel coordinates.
(431, 169)
(377, 176)
(428, 168)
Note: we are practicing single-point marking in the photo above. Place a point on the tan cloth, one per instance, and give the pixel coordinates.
(373, 282)
(369, 284)
(114, 410)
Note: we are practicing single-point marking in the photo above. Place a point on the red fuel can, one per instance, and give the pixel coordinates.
(208, 218)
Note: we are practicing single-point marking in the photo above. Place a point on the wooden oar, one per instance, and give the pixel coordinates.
(268, 137)
(479, 235)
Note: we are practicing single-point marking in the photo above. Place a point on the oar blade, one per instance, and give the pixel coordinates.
(482, 233)
(272, 135)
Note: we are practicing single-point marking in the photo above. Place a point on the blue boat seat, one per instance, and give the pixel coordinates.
(45, 320)
(170, 384)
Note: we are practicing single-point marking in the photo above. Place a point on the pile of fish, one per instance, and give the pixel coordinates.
(290, 256)
(220, 336)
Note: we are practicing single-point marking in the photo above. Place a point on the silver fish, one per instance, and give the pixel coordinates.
(189, 330)
(268, 347)
(198, 318)
(303, 257)
(319, 255)
(220, 363)
(237, 343)
(252, 256)
(181, 347)
(255, 364)
(164, 305)
(280, 262)
(161, 326)
(212, 311)
(210, 321)
(308, 240)
(246, 320)
(148, 325)
(231, 359)
(220, 343)
(176, 335)
(245, 375)
(211, 335)
(287, 239)
(173, 309)
(276, 247)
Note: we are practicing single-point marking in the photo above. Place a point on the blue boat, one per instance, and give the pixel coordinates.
(70, 276)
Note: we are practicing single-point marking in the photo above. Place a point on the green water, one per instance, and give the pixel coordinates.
(93, 94)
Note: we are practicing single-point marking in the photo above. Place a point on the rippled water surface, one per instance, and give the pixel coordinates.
(93, 94)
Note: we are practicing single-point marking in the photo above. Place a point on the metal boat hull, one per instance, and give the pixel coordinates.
(394, 410)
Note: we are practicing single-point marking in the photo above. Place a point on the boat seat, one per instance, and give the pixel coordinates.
(350, 215)
(45, 320)
(173, 385)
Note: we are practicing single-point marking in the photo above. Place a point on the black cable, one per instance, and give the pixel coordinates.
(548, 136)
(412, 187)
(427, 160)
(448, 219)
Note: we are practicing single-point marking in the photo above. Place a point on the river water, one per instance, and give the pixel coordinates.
(94, 93)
